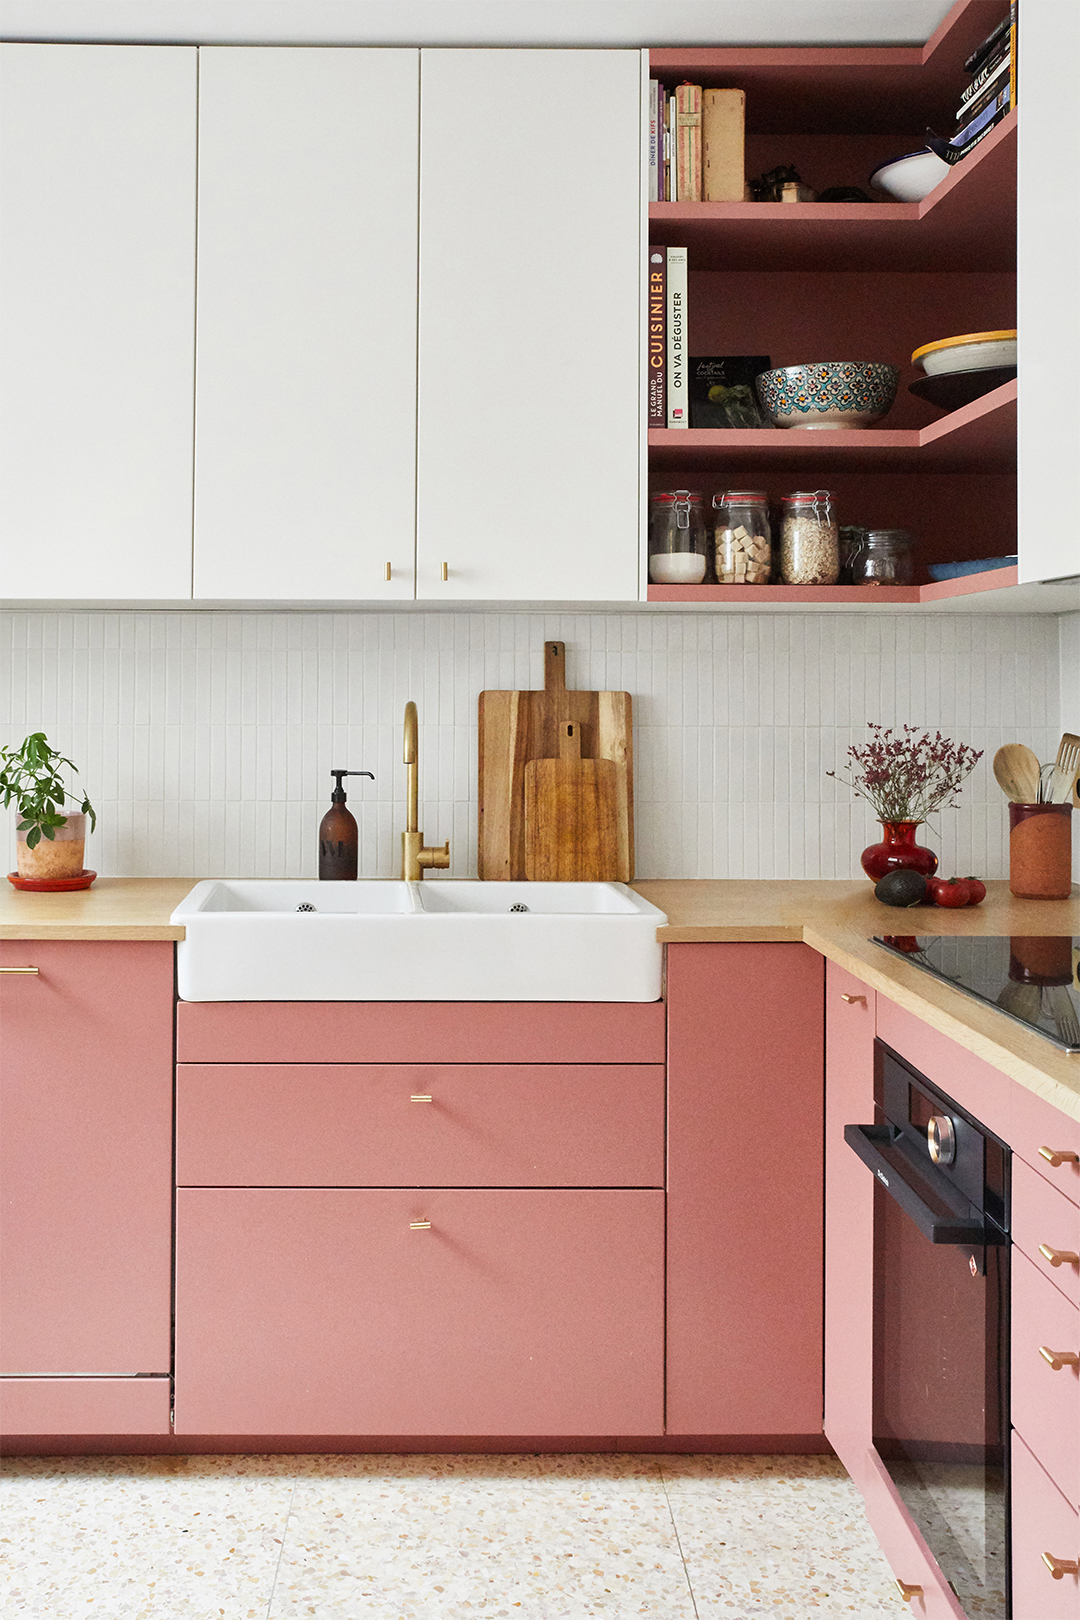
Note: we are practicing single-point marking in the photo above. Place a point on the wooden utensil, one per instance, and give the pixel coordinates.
(1016, 771)
(571, 816)
(517, 728)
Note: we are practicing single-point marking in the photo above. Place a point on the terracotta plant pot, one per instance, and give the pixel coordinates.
(62, 856)
(898, 852)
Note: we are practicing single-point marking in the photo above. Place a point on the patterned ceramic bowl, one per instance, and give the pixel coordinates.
(831, 394)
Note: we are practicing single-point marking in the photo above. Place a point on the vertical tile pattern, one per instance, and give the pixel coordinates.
(205, 740)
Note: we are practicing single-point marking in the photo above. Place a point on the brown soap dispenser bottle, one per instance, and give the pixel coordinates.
(338, 840)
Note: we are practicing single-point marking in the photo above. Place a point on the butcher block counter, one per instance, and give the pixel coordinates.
(835, 918)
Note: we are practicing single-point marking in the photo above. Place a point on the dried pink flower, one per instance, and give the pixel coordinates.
(907, 776)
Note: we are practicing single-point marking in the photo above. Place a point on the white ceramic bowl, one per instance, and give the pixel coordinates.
(910, 178)
(974, 351)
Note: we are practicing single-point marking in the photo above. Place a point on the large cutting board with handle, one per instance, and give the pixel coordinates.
(556, 782)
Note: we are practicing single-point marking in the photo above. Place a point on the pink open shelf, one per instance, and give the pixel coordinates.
(995, 579)
(981, 437)
(968, 222)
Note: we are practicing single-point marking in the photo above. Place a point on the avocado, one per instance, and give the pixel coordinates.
(901, 888)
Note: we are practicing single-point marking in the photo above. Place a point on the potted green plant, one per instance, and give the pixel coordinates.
(51, 840)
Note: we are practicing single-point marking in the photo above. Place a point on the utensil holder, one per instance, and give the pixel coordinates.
(1040, 851)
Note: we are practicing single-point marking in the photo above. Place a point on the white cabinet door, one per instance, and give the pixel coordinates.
(528, 419)
(97, 326)
(306, 385)
(1048, 292)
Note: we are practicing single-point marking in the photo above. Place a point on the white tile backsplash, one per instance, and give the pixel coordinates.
(205, 740)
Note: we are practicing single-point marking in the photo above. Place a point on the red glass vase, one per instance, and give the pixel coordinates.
(898, 852)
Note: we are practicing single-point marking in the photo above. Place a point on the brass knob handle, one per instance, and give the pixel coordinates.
(421, 1096)
(419, 1226)
(445, 572)
(908, 1592)
(1058, 1156)
(1060, 1567)
(1059, 1358)
(851, 1000)
(19, 970)
(388, 571)
(1059, 1257)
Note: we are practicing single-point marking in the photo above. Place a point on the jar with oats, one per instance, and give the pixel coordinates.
(809, 539)
(743, 538)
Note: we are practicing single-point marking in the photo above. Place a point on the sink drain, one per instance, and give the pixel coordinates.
(519, 906)
(305, 905)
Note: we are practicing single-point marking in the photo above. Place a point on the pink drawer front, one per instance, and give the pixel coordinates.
(1043, 1218)
(1045, 1401)
(445, 1125)
(77, 1406)
(1044, 1138)
(302, 1311)
(420, 1032)
(1045, 1527)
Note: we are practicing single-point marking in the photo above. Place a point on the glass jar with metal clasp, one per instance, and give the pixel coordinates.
(742, 538)
(678, 540)
(884, 558)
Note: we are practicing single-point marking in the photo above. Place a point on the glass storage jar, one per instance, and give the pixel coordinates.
(809, 539)
(678, 542)
(742, 538)
(884, 558)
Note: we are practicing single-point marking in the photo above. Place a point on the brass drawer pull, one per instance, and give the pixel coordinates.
(1059, 1358)
(419, 1226)
(445, 573)
(851, 1000)
(388, 571)
(908, 1592)
(1060, 1567)
(1056, 1157)
(421, 1096)
(19, 970)
(1059, 1257)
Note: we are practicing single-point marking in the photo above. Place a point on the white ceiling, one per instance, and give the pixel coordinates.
(479, 22)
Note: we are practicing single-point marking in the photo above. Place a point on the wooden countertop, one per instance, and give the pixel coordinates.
(837, 919)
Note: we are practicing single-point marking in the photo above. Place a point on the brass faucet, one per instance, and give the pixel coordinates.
(414, 855)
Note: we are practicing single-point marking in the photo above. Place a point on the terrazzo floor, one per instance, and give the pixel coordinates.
(436, 1538)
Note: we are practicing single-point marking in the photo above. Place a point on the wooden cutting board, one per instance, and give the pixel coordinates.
(571, 815)
(519, 728)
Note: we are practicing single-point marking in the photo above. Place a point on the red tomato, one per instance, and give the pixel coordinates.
(954, 893)
(977, 890)
(933, 884)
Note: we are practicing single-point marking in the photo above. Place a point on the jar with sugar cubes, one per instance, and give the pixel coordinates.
(742, 537)
(678, 541)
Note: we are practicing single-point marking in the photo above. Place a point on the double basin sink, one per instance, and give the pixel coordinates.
(437, 941)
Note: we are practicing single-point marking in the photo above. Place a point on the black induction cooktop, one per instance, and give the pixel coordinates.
(1031, 979)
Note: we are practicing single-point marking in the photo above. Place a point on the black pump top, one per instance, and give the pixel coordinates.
(338, 795)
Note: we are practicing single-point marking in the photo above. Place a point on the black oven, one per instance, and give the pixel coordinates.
(941, 1325)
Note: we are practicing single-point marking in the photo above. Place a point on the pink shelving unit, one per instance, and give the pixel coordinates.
(818, 281)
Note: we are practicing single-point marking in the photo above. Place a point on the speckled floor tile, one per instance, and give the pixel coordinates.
(538, 1538)
(437, 1538)
(138, 1538)
(779, 1536)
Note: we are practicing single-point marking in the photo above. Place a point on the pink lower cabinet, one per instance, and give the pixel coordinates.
(87, 1169)
(744, 1314)
(389, 1311)
(1046, 1544)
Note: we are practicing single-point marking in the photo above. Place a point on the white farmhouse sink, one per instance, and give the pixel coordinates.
(434, 941)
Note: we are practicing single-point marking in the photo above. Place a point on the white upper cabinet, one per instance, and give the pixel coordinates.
(529, 415)
(1048, 292)
(97, 323)
(305, 468)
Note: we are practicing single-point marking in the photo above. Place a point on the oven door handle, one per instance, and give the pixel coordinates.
(938, 1228)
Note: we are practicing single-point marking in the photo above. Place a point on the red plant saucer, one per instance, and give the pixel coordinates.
(49, 885)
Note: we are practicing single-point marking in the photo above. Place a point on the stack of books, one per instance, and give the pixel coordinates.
(696, 144)
(990, 93)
